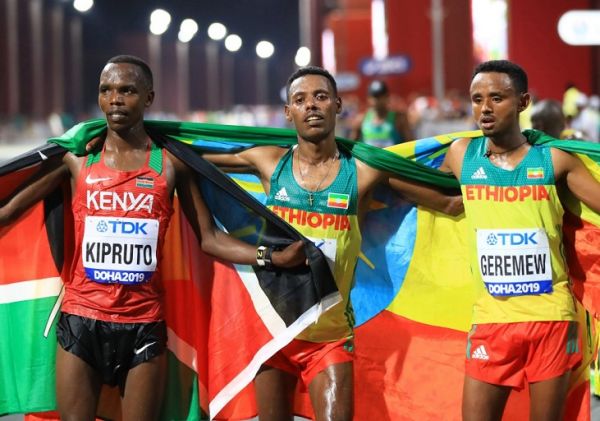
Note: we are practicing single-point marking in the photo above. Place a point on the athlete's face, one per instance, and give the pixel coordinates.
(312, 107)
(496, 104)
(123, 95)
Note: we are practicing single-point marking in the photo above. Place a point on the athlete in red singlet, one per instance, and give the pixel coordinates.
(111, 329)
(121, 218)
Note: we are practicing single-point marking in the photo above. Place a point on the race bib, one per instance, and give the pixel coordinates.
(329, 248)
(514, 261)
(119, 250)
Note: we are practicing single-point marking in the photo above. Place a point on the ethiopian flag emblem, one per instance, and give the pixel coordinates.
(535, 173)
(338, 200)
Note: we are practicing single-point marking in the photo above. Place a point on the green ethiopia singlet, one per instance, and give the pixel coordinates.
(515, 235)
(331, 222)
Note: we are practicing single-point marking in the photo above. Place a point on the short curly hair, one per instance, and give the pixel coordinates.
(515, 72)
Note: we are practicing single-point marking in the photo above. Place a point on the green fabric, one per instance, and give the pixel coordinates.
(33, 389)
(76, 138)
(92, 159)
(156, 162)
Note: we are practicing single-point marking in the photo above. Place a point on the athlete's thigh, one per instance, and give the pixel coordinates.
(548, 398)
(144, 389)
(274, 394)
(77, 387)
(331, 392)
(483, 401)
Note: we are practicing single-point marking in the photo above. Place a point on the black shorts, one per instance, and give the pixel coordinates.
(112, 349)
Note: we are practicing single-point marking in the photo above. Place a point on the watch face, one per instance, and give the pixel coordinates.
(260, 253)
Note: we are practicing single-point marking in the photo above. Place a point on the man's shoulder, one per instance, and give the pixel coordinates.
(268, 152)
(462, 143)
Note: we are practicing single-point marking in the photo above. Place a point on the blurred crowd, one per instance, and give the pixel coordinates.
(582, 115)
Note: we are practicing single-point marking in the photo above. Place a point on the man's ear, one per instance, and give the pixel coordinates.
(149, 99)
(286, 110)
(338, 103)
(524, 101)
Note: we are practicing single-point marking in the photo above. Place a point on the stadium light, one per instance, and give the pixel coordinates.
(159, 21)
(217, 31)
(187, 30)
(83, 5)
(264, 49)
(233, 43)
(302, 57)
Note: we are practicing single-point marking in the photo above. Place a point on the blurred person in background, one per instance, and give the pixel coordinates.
(381, 126)
(587, 120)
(547, 116)
(569, 102)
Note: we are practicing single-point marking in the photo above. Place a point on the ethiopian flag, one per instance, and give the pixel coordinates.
(412, 296)
(338, 200)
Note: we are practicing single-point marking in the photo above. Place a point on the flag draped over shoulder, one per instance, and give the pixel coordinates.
(412, 296)
(411, 343)
(223, 320)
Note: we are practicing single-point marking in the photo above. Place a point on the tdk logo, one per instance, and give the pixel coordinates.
(122, 227)
(512, 239)
(102, 226)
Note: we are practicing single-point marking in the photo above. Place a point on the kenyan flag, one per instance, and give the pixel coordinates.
(223, 320)
(29, 289)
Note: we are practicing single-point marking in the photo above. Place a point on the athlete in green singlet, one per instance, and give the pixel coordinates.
(523, 329)
(322, 191)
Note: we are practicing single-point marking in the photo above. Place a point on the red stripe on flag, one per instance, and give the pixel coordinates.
(25, 250)
(340, 205)
(208, 307)
(12, 180)
(406, 370)
(581, 241)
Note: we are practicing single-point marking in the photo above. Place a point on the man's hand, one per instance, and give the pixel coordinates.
(291, 256)
(94, 145)
(455, 206)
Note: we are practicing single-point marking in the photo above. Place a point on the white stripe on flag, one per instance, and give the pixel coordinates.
(273, 322)
(187, 355)
(268, 350)
(30, 290)
(184, 351)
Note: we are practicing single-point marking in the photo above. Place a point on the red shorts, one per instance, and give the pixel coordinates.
(510, 354)
(306, 359)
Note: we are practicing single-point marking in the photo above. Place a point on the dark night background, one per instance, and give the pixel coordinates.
(111, 26)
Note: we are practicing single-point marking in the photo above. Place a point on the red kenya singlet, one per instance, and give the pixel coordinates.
(121, 218)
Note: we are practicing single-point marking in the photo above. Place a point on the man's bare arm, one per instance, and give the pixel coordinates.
(36, 188)
(422, 194)
(577, 178)
(213, 240)
(448, 202)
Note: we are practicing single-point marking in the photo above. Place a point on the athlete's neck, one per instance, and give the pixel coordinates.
(319, 152)
(505, 142)
(130, 139)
